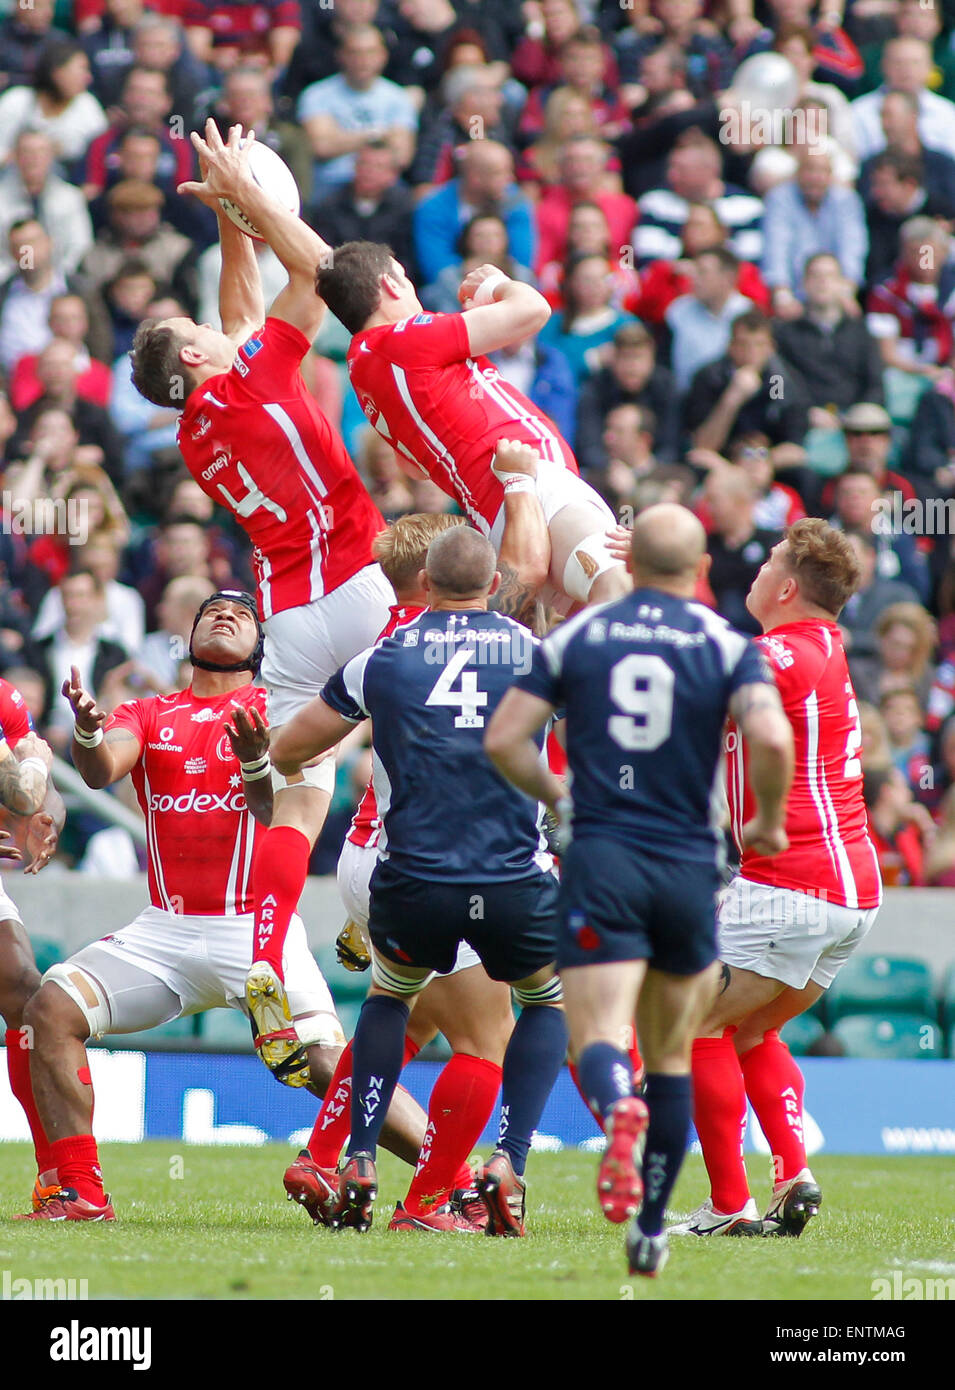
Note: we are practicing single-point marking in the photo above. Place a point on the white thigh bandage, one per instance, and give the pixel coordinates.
(589, 559)
(85, 993)
(320, 776)
(388, 979)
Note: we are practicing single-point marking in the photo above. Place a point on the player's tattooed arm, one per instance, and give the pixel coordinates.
(43, 831)
(24, 774)
(517, 599)
(103, 761)
(524, 559)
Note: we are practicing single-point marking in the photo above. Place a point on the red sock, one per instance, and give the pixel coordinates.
(76, 1161)
(776, 1087)
(278, 877)
(18, 1067)
(333, 1124)
(461, 1103)
(719, 1112)
(583, 1096)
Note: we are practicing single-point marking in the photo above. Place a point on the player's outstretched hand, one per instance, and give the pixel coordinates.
(224, 164)
(31, 745)
(41, 842)
(619, 539)
(512, 456)
(86, 712)
(764, 839)
(471, 281)
(8, 851)
(248, 734)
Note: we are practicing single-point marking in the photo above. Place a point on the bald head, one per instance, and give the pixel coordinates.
(668, 543)
(461, 563)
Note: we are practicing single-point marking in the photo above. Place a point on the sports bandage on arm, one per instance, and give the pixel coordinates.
(484, 294)
(257, 769)
(87, 740)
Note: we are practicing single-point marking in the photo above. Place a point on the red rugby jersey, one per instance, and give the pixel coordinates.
(830, 853)
(256, 441)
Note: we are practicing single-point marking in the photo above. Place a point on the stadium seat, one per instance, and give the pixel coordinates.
(947, 1012)
(800, 1033)
(890, 1036)
(178, 1035)
(46, 952)
(225, 1030)
(875, 984)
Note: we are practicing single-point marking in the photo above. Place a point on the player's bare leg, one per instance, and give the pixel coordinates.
(581, 566)
(601, 1002)
(719, 1106)
(476, 1017)
(775, 1087)
(19, 981)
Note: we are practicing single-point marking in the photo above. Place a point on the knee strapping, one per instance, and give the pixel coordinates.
(550, 993)
(588, 560)
(85, 993)
(394, 983)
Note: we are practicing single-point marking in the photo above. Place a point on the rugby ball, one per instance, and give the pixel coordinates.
(272, 175)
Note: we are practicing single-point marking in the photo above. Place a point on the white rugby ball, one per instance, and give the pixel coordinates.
(272, 175)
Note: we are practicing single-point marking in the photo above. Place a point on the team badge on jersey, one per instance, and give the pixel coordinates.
(250, 348)
(411, 638)
(422, 318)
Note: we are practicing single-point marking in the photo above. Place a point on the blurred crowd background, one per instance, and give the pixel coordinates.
(753, 317)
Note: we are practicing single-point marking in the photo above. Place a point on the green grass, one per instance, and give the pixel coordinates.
(223, 1230)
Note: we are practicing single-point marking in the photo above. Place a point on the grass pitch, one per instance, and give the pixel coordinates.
(213, 1223)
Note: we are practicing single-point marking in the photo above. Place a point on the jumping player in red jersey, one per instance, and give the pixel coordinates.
(28, 797)
(258, 444)
(427, 387)
(190, 949)
(801, 902)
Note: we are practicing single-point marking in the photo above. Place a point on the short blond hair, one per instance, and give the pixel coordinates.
(402, 548)
(823, 562)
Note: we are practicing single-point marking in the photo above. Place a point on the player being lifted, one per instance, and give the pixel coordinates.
(426, 386)
(190, 949)
(789, 920)
(34, 809)
(256, 441)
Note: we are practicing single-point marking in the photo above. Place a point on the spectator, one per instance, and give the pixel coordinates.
(29, 188)
(316, 55)
(875, 751)
(929, 455)
(424, 35)
(566, 114)
(862, 611)
(867, 429)
(69, 323)
(694, 175)
(911, 313)
(24, 32)
(544, 375)
(56, 102)
(246, 100)
(536, 60)
(485, 182)
(483, 241)
(135, 230)
(895, 828)
(357, 105)
(220, 31)
(123, 620)
(939, 861)
(582, 64)
(738, 548)
(835, 355)
(895, 191)
(775, 505)
(473, 109)
(631, 376)
(131, 289)
(588, 233)
(109, 48)
(808, 215)
(138, 155)
(145, 428)
(751, 389)
(900, 125)
(628, 436)
(375, 206)
(26, 297)
(699, 322)
(858, 494)
(132, 36)
(589, 319)
(906, 67)
(146, 105)
(905, 643)
(904, 720)
(583, 178)
(76, 642)
(663, 281)
(182, 548)
(162, 651)
(912, 19)
(680, 27)
(56, 369)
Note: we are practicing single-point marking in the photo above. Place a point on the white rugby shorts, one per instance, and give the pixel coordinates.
(786, 935)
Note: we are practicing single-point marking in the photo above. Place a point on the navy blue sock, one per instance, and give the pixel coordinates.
(606, 1075)
(669, 1100)
(532, 1063)
(377, 1054)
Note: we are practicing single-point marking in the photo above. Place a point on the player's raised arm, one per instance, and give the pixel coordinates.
(99, 758)
(524, 557)
(499, 311)
(250, 743)
(298, 247)
(762, 721)
(24, 774)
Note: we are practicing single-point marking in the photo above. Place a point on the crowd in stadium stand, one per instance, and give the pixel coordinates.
(761, 330)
